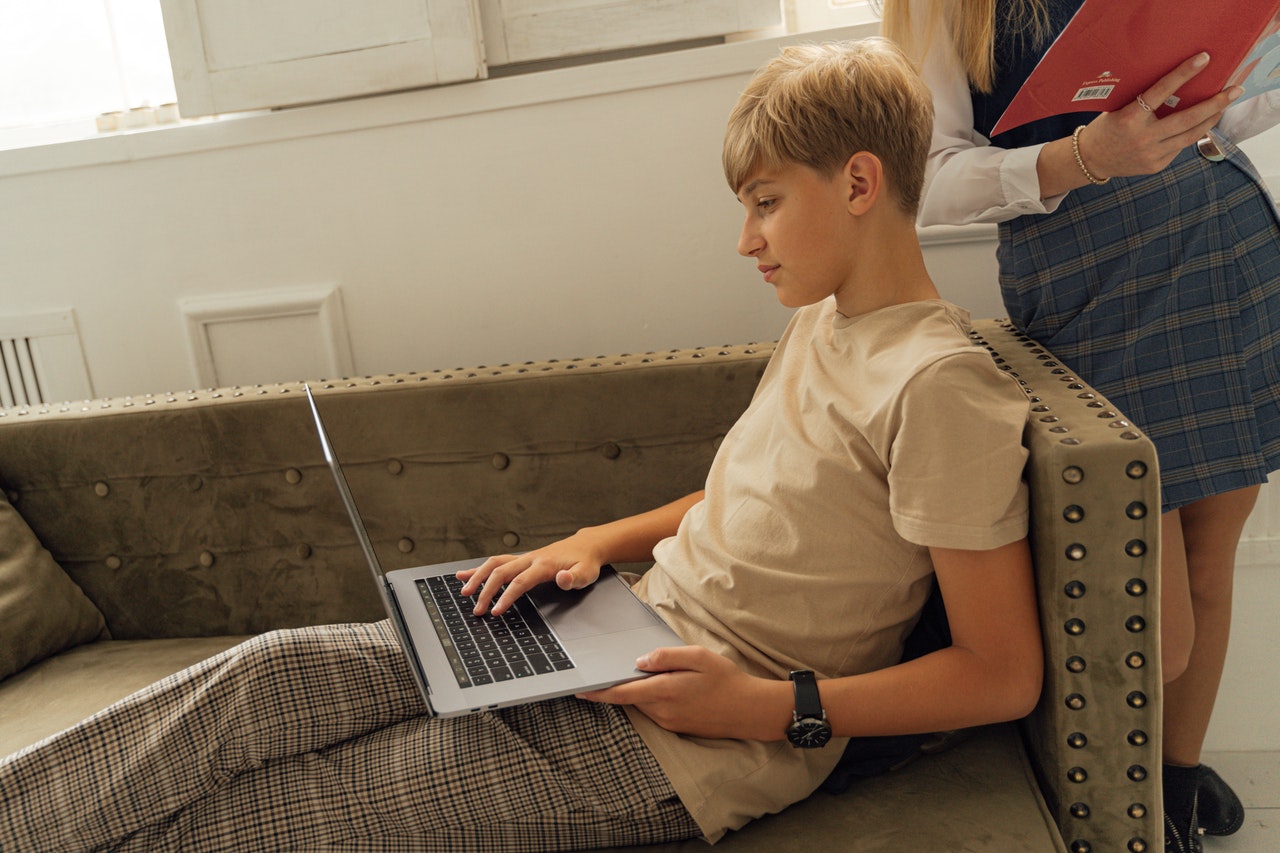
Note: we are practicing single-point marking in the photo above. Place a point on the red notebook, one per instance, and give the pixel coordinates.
(1110, 52)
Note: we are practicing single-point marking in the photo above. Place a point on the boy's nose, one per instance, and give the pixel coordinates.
(749, 241)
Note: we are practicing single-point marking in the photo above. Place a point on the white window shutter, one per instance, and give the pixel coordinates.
(234, 55)
(531, 30)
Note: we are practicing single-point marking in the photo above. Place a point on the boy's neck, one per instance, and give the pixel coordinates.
(890, 268)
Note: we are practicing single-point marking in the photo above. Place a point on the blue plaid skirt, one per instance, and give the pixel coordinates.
(1163, 292)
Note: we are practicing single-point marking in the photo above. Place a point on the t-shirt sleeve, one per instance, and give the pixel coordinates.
(957, 458)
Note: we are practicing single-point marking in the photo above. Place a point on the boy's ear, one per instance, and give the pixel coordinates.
(864, 175)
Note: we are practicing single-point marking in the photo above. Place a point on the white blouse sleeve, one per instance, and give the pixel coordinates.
(1251, 117)
(967, 179)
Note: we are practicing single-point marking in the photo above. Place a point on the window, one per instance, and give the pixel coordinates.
(81, 59)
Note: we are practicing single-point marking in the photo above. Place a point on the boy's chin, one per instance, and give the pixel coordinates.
(797, 300)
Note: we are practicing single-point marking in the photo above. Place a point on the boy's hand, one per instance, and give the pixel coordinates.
(573, 563)
(701, 693)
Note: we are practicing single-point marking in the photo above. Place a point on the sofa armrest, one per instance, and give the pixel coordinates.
(1095, 736)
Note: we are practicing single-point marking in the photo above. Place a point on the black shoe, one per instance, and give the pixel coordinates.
(1181, 800)
(1181, 839)
(1220, 810)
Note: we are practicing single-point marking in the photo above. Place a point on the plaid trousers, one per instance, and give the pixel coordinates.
(316, 739)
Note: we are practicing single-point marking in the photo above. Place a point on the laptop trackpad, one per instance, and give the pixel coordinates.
(613, 608)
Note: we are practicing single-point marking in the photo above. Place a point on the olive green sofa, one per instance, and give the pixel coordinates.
(180, 523)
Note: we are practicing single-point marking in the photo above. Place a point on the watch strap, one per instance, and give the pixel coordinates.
(808, 700)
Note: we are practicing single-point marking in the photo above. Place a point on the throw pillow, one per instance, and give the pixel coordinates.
(42, 611)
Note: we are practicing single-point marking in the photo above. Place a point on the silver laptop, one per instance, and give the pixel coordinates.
(551, 643)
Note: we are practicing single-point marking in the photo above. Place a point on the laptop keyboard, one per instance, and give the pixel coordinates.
(488, 649)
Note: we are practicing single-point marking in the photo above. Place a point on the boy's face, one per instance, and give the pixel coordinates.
(797, 230)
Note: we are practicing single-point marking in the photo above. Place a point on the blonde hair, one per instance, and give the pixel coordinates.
(971, 25)
(818, 105)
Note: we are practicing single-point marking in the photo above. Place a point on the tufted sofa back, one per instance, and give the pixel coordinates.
(211, 512)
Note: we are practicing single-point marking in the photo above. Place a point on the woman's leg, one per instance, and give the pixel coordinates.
(153, 753)
(1210, 532)
(1198, 568)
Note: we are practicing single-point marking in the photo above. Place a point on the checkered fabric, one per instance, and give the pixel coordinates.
(1163, 292)
(315, 739)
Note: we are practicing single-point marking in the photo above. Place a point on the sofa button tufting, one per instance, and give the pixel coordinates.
(302, 550)
(293, 476)
(1077, 740)
(101, 489)
(1137, 811)
(1137, 845)
(1137, 737)
(1077, 775)
(1073, 475)
(113, 562)
(195, 482)
(500, 461)
(405, 545)
(1135, 660)
(1076, 664)
(395, 467)
(1137, 773)
(1074, 627)
(610, 450)
(510, 539)
(1076, 702)
(1080, 810)
(1081, 846)
(206, 559)
(1136, 699)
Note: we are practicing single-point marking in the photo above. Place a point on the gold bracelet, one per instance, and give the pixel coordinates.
(1075, 149)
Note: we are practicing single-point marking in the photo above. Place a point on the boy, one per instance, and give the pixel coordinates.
(827, 512)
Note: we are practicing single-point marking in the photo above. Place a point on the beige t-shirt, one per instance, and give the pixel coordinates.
(869, 440)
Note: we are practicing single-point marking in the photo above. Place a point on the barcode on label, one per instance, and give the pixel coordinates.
(1094, 93)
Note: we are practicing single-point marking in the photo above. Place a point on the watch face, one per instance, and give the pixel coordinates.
(809, 733)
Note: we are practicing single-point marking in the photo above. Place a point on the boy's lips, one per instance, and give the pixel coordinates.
(767, 270)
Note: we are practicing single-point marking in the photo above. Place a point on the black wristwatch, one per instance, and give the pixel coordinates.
(809, 728)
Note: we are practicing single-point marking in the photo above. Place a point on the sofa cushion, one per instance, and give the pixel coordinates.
(979, 796)
(49, 696)
(42, 611)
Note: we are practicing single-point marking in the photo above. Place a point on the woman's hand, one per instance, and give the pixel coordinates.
(1134, 141)
(573, 563)
(701, 693)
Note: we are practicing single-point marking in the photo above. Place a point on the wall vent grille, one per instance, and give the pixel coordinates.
(20, 383)
(41, 359)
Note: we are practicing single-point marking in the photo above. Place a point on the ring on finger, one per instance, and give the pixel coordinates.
(1143, 103)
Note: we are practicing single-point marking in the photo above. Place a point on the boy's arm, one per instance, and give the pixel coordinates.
(991, 672)
(575, 562)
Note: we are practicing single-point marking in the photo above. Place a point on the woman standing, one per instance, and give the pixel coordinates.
(1145, 253)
